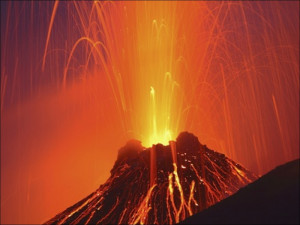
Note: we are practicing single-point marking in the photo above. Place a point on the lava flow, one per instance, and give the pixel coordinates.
(159, 185)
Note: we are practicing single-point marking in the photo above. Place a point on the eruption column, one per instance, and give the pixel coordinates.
(154, 125)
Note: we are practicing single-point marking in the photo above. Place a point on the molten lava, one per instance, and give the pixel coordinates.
(159, 185)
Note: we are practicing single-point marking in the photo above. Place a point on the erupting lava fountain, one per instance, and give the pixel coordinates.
(80, 78)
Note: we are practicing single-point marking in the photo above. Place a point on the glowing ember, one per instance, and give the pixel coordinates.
(199, 179)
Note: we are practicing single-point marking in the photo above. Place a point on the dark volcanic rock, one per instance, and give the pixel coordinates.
(128, 153)
(187, 177)
(187, 142)
(272, 199)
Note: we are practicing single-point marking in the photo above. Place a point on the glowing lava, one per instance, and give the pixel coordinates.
(161, 132)
(156, 186)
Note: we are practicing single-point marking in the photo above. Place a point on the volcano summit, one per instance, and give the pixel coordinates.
(159, 185)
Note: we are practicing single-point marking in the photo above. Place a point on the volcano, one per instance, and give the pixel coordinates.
(159, 185)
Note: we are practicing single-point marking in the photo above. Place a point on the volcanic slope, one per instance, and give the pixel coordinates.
(272, 199)
(159, 185)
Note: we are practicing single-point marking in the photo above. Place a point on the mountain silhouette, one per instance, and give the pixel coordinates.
(272, 199)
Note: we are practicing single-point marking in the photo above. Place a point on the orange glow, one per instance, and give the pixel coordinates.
(80, 78)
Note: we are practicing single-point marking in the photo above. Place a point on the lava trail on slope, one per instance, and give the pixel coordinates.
(159, 185)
